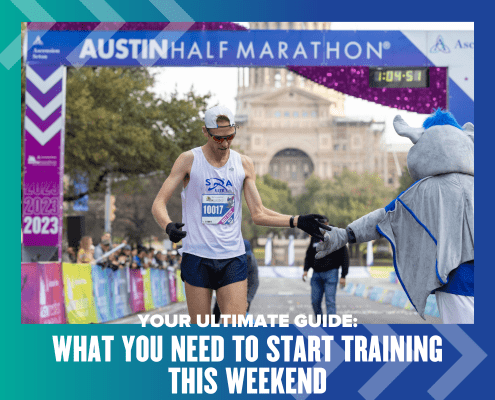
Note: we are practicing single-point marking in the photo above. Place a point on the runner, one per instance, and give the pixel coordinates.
(213, 252)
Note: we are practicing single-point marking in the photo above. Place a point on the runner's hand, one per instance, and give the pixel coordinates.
(174, 233)
(309, 223)
(305, 274)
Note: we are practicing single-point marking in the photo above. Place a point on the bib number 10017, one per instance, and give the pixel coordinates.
(40, 225)
(207, 209)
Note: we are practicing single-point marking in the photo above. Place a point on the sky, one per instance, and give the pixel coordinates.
(221, 82)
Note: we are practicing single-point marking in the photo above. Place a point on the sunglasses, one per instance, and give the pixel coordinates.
(220, 139)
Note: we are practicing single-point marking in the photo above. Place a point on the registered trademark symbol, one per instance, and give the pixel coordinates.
(386, 45)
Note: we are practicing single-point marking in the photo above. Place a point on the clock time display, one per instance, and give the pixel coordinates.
(403, 77)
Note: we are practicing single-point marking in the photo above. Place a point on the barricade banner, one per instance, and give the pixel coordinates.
(42, 300)
(78, 289)
(181, 294)
(137, 291)
(148, 296)
(165, 286)
(156, 287)
(101, 289)
(171, 284)
(119, 293)
(30, 289)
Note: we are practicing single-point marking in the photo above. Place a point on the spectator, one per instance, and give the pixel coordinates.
(325, 275)
(102, 248)
(69, 255)
(85, 254)
(136, 262)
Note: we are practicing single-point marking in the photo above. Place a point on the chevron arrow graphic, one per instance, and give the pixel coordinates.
(44, 85)
(472, 356)
(44, 112)
(43, 137)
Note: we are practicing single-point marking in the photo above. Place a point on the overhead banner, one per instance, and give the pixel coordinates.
(79, 299)
(42, 300)
(240, 48)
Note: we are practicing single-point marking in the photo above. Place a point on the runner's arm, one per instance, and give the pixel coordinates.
(259, 213)
(180, 170)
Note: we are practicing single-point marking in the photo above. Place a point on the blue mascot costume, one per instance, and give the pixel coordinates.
(430, 225)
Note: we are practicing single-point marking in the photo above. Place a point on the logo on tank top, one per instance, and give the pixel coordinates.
(217, 185)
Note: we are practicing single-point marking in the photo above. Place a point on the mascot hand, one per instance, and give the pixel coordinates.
(333, 240)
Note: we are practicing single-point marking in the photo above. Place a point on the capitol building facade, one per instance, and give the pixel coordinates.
(293, 127)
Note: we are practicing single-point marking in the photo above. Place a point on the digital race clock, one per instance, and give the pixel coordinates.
(399, 77)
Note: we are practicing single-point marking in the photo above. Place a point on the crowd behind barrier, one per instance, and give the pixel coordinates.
(59, 293)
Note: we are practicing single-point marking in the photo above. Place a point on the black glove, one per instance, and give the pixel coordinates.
(310, 224)
(174, 233)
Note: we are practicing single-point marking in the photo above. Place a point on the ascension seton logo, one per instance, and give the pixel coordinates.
(218, 185)
(440, 46)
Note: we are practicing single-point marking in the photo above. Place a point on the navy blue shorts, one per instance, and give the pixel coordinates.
(212, 274)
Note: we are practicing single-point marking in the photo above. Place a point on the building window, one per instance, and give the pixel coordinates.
(277, 114)
(278, 80)
(295, 114)
(278, 25)
(290, 79)
(314, 114)
(344, 147)
(336, 147)
(290, 25)
(305, 114)
(303, 25)
(287, 114)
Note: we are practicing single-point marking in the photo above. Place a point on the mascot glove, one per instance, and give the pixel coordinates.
(333, 240)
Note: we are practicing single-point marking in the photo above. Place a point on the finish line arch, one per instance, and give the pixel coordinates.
(340, 60)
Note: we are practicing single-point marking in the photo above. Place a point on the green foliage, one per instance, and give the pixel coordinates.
(345, 198)
(404, 181)
(276, 196)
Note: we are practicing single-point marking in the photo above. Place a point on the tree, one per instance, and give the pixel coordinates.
(276, 196)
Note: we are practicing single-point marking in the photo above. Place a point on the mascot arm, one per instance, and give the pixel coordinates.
(364, 228)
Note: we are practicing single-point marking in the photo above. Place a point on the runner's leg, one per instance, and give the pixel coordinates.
(198, 302)
(232, 299)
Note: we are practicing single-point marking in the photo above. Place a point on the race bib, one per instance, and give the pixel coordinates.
(217, 209)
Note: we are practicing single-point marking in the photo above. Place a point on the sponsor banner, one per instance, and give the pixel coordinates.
(43, 158)
(156, 287)
(120, 302)
(78, 289)
(181, 293)
(147, 291)
(42, 300)
(30, 288)
(229, 48)
(102, 292)
(165, 286)
(171, 284)
(137, 291)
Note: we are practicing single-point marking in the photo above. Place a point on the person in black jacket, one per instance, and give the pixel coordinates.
(325, 275)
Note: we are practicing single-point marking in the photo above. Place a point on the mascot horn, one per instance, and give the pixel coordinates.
(431, 224)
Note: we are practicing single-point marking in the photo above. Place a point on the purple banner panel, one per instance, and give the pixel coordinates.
(43, 158)
(30, 293)
(137, 291)
(42, 298)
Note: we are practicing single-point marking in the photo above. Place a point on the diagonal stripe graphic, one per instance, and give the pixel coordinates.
(171, 10)
(43, 98)
(102, 10)
(32, 10)
(472, 356)
(12, 53)
(386, 374)
(337, 352)
(44, 85)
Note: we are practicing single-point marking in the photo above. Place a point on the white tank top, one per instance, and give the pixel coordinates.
(212, 208)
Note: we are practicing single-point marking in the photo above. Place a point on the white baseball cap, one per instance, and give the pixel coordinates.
(212, 114)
